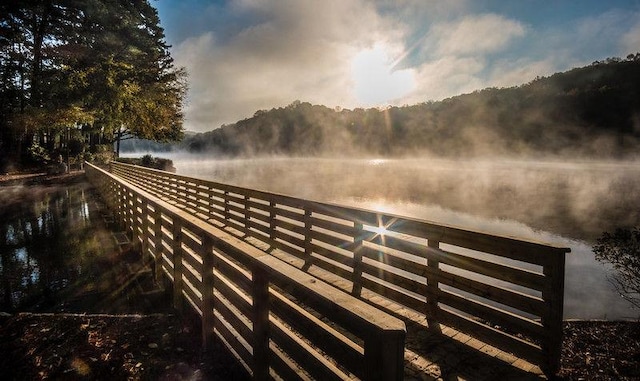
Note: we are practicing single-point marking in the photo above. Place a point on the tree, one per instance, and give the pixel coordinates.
(129, 75)
(622, 250)
(96, 66)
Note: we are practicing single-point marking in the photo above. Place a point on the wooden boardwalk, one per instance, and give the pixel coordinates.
(483, 292)
(436, 353)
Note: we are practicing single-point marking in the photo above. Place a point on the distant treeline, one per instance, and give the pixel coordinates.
(589, 111)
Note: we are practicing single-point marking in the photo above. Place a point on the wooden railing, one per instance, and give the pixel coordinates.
(277, 320)
(506, 292)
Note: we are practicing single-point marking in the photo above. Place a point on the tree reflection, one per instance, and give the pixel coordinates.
(44, 242)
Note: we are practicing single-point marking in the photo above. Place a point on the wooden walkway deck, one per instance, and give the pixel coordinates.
(431, 353)
(330, 243)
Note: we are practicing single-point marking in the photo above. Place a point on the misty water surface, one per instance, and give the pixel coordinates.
(568, 204)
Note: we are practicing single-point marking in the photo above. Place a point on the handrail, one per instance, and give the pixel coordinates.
(505, 291)
(251, 300)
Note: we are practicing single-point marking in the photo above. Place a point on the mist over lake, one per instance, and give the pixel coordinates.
(564, 203)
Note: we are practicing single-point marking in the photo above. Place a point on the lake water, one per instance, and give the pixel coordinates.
(568, 204)
(56, 254)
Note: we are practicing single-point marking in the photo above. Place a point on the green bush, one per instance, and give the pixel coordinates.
(38, 154)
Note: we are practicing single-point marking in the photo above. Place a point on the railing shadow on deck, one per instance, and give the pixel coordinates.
(277, 320)
(506, 292)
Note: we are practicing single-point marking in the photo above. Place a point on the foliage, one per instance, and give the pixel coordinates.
(100, 66)
(150, 162)
(589, 111)
(99, 154)
(622, 250)
(38, 154)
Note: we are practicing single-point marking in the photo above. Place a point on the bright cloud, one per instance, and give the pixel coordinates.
(247, 55)
(476, 35)
(375, 79)
(300, 50)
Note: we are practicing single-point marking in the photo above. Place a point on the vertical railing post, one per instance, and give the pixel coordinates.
(144, 244)
(308, 259)
(119, 205)
(260, 318)
(384, 356)
(272, 221)
(246, 215)
(207, 291)
(128, 210)
(136, 222)
(432, 287)
(356, 290)
(210, 208)
(177, 263)
(157, 230)
(553, 296)
(226, 206)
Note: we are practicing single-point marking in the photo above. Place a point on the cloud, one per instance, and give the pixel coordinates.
(475, 34)
(461, 74)
(630, 42)
(247, 55)
(292, 50)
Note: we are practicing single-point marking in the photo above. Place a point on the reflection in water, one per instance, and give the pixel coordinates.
(568, 204)
(46, 241)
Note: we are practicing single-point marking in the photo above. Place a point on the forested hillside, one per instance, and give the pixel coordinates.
(585, 112)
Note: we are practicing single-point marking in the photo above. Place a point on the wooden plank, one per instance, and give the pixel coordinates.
(283, 235)
(347, 230)
(333, 255)
(294, 251)
(298, 229)
(206, 290)
(227, 310)
(517, 276)
(324, 263)
(398, 280)
(495, 316)
(361, 216)
(552, 321)
(190, 287)
(295, 216)
(492, 336)
(302, 353)
(351, 313)
(193, 260)
(315, 330)
(260, 227)
(258, 216)
(233, 338)
(525, 251)
(192, 275)
(233, 295)
(241, 278)
(332, 240)
(261, 326)
(393, 294)
(511, 298)
(284, 367)
(394, 261)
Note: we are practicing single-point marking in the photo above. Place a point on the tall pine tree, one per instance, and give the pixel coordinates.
(98, 66)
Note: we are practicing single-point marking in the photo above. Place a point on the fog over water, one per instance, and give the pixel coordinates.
(568, 204)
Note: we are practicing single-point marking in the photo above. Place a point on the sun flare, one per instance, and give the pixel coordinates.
(376, 81)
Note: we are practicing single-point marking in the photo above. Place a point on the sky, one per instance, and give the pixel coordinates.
(242, 56)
